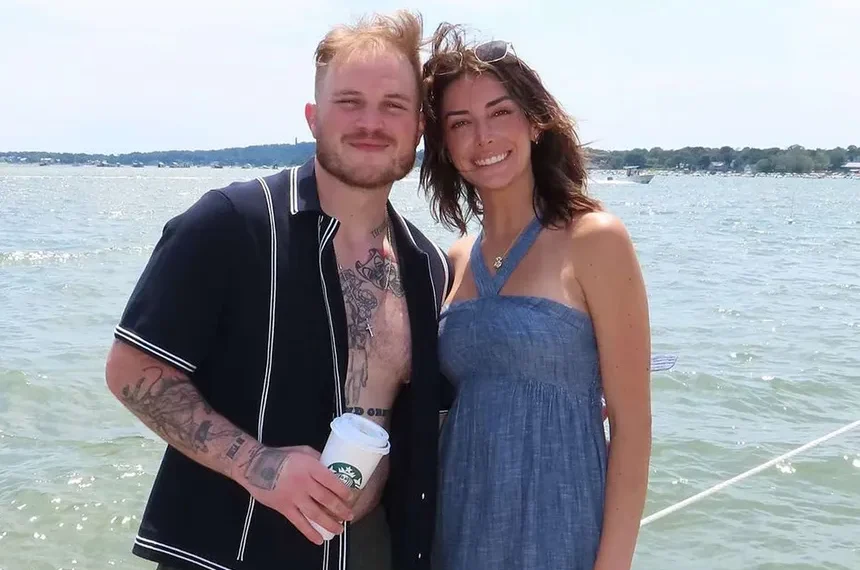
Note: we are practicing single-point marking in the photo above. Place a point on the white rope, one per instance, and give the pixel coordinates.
(716, 488)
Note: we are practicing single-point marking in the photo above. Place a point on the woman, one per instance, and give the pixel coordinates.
(547, 315)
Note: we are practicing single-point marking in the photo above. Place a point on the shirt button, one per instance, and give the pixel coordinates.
(419, 556)
(422, 496)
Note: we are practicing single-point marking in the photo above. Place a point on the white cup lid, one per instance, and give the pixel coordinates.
(361, 431)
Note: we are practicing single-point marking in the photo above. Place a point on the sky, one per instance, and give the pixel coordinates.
(108, 76)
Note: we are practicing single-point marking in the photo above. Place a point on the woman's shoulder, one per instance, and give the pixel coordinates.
(597, 224)
(597, 244)
(460, 250)
(597, 233)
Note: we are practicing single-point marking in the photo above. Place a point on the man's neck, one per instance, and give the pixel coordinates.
(361, 211)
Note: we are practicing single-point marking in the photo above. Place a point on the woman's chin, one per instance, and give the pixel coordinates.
(492, 183)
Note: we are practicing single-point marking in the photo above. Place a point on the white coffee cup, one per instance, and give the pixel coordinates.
(353, 450)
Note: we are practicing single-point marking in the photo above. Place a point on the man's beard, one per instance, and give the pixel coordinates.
(364, 176)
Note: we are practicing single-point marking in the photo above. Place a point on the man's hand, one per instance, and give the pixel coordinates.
(292, 481)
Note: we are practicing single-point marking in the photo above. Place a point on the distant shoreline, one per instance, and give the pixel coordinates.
(596, 175)
(619, 175)
(794, 159)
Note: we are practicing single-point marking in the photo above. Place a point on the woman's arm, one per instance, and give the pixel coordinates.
(458, 254)
(615, 293)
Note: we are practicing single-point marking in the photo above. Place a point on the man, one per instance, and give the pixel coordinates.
(270, 307)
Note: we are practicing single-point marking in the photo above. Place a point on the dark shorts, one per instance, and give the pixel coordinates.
(369, 544)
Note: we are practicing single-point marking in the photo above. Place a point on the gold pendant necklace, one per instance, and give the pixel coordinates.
(499, 260)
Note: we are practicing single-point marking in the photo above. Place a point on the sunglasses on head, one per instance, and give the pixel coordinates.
(492, 51)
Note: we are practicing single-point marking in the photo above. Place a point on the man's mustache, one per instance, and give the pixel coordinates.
(365, 136)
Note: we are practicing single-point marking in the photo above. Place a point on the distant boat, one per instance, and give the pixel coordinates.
(633, 175)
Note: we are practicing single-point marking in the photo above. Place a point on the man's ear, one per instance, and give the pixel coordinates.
(311, 117)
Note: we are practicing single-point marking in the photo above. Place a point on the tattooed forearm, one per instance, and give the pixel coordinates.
(264, 466)
(371, 412)
(174, 408)
(235, 447)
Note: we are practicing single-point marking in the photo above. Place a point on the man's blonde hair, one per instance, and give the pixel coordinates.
(401, 31)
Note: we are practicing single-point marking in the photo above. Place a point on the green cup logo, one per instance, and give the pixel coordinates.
(348, 474)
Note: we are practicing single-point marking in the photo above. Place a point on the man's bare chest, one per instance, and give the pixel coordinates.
(377, 331)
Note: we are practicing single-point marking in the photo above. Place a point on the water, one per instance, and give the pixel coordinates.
(753, 282)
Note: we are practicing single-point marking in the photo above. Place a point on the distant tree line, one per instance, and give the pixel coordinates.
(794, 159)
(259, 155)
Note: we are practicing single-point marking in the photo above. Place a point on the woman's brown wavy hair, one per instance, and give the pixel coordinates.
(558, 159)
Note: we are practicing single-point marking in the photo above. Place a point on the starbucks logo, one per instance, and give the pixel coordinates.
(349, 475)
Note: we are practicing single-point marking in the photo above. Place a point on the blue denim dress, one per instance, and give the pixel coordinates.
(523, 450)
